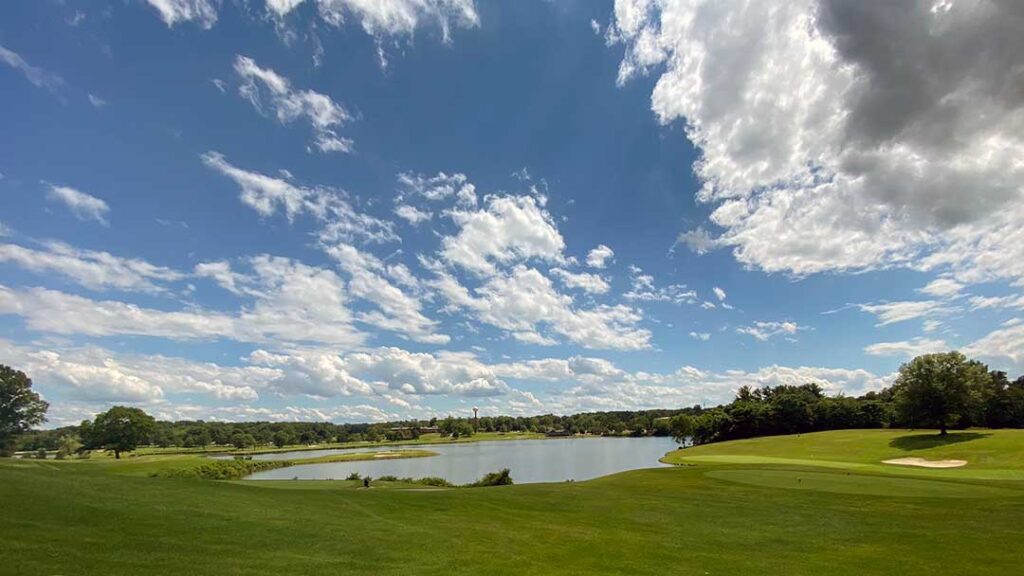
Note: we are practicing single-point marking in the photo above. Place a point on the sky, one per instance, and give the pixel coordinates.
(365, 211)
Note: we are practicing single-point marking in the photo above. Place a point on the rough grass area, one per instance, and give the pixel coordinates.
(237, 469)
(109, 518)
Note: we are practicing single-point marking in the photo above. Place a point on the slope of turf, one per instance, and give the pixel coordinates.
(107, 517)
(990, 454)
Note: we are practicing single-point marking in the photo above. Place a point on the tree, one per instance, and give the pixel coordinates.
(120, 429)
(939, 390)
(20, 407)
(682, 428)
(67, 446)
(283, 438)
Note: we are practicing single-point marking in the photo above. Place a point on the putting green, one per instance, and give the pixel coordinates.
(850, 483)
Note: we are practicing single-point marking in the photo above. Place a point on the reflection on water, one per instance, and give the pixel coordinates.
(553, 460)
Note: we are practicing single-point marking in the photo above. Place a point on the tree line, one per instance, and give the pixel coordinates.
(941, 391)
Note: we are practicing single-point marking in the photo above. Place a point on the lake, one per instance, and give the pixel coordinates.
(553, 460)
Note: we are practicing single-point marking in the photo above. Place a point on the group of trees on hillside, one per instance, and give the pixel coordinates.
(941, 391)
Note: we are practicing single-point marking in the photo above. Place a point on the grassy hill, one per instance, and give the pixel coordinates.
(713, 516)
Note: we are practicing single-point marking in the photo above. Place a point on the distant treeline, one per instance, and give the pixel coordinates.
(985, 398)
(196, 434)
(991, 401)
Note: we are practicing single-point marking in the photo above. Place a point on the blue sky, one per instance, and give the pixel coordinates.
(325, 210)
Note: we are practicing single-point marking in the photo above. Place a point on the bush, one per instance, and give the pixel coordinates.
(354, 476)
(224, 469)
(500, 478)
(433, 481)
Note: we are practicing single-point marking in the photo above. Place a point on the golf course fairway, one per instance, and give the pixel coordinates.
(812, 504)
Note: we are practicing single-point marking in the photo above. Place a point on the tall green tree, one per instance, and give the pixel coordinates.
(940, 390)
(682, 428)
(120, 429)
(20, 407)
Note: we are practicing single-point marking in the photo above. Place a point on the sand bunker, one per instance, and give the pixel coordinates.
(921, 462)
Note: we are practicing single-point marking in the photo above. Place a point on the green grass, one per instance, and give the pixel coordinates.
(990, 454)
(109, 517)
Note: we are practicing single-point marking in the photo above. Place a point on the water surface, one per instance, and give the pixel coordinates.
(553, 460)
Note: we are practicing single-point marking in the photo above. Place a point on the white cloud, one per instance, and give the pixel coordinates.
(396, 311)
(824, 148)
(1005, 343)
(599, 257)
(437, 188)
(37, 76)
(1013, 301)
(765, 330)
(96, 101)
(397, 17)
(93, 269)
(590, 283)
(203, 12)
(525, 301)
(703, 336)
(907, 348)
(264, 88)
(82, 205)
(412, 214)
(719, 293)
(893, 312)
(506, 230)
(268, 195)
(942, 288)
(5, 230)
(291, 302)
(644, 289)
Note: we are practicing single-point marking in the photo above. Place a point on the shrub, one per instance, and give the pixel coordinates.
(224, 469)
(500, 478)
(354, 476)
(433, 481)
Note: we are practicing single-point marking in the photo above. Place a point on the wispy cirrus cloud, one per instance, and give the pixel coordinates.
(84, 206)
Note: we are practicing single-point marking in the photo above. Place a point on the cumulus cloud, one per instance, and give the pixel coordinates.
(703, 336)
(824, 147)
(590, 283)
(437, 188)
(763, 331)
(290, 302)
(390, 18)
(599, 257)
(93, 269)
(610, 388)
(526, 304)
(203, 12)
(1004, 343)
(942, 288)
(269, 92)
(907, 348)
(82, 205)
(396, 310)
(268, 195)
(506, 230)
(643, 289)
(412, 214)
